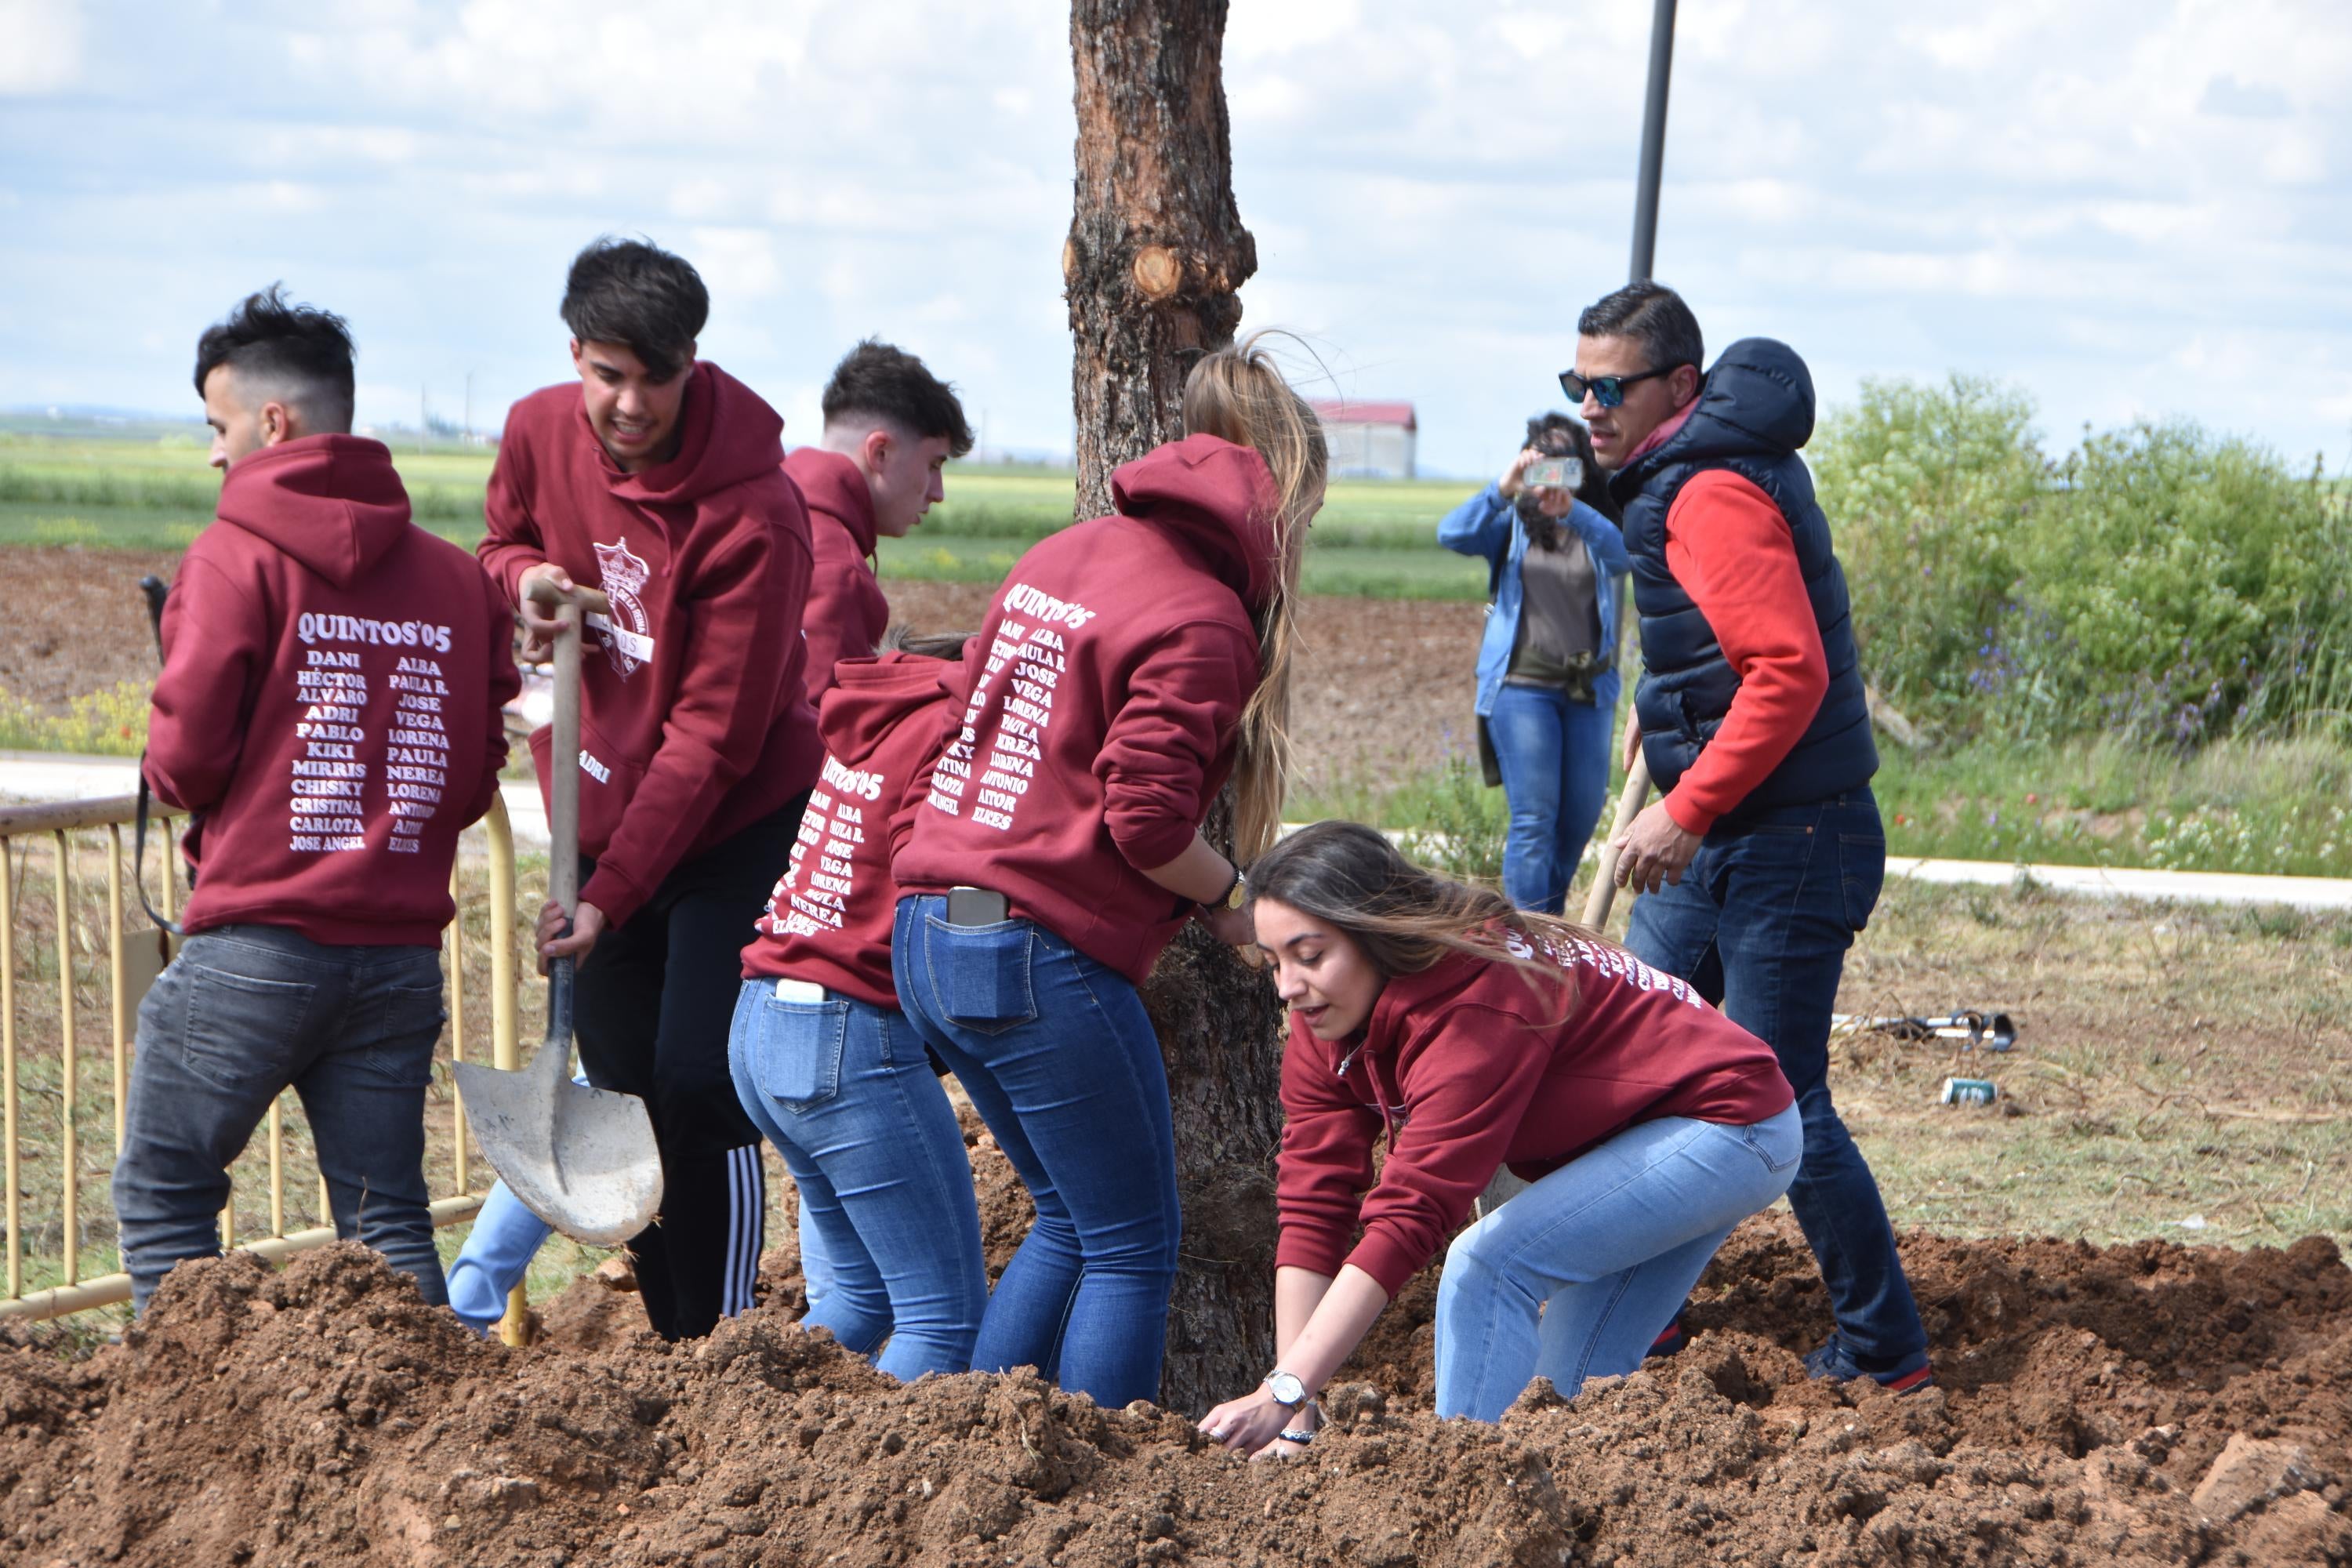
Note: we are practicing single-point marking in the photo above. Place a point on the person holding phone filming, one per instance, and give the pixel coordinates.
(1548, 679)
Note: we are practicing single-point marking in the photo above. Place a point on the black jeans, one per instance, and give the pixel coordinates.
(653, 1008)
(243, 1012)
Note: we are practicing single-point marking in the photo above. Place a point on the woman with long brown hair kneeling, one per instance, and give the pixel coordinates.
(1474, 1036)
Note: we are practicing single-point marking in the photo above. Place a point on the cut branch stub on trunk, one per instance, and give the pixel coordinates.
(1156, 251)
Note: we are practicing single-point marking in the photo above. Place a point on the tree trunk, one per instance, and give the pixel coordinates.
(1157, 248)
(1155, 254)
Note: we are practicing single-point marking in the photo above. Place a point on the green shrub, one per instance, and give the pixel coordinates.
(1457, 824)
(1928, 490)
(2178, 586)
(2163, 583)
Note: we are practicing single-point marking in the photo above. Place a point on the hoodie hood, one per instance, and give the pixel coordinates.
(834, 485)
(1758, 401)
(1217, 497)
(869, 696)
(332, 503)
(728, 434)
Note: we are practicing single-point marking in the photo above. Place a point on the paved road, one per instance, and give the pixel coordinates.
(33, 775)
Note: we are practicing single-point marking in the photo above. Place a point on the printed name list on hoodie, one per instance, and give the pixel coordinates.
(330, 788)
(832, 828)
(1037, 656)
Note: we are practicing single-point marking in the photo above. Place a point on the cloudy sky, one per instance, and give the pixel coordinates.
(2127, 207)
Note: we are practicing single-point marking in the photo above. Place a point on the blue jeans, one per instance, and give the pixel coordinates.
(1554, 755)
(1761, 921)
(1061, 1061)
(846, 1094)
(244, 1012)
(1573, 1278)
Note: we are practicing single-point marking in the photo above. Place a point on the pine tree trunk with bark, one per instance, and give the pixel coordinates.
(1156, 249)
(1155, 255)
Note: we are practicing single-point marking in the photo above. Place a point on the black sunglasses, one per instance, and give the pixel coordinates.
(1608, 390)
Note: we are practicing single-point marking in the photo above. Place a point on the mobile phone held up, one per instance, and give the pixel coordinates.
(1553, 474)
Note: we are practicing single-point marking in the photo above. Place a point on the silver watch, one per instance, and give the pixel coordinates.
(1286, 1389)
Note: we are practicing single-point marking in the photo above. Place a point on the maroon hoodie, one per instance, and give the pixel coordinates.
(846, 612)
(1469, 1066)
(329, 701)
(829, 918)
(693, 722)
(1103, 698)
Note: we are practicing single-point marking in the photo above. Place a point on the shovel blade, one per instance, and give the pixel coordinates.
(582, 1159)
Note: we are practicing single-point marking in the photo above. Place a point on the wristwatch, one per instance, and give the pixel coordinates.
(1237, 895)
(1286, 1389)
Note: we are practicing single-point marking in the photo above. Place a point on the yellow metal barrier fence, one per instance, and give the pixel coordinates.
(133, 956)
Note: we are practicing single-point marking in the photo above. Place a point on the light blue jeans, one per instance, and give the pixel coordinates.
(1574, 1278)
(845, 1092)
(1554, 756)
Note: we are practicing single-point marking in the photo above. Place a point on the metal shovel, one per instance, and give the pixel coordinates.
(582, 1159)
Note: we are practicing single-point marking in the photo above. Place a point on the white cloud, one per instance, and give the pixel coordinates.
(40, 45)
(737, 261)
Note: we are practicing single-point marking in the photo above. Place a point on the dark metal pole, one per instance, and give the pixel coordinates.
(1653, 140)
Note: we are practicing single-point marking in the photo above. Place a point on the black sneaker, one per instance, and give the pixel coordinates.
(1670, 1341)
(1834, 1360)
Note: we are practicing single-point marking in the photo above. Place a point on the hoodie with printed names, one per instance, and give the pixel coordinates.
(846, 612)
(1101, 704)
(1470, 1067)
(332, 676)
(694, 722)
(829, 918)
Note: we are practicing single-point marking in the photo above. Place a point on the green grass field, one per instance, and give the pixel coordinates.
(1373, 538)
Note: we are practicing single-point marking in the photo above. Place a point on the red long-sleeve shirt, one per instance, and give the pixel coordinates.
(1731, 549)
(694, 722)
(1468, 1067)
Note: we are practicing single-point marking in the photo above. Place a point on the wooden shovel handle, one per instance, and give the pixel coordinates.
(563, 740)
(1630, 801)
(592, 601)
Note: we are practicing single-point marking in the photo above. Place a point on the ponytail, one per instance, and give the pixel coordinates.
(1239, 394)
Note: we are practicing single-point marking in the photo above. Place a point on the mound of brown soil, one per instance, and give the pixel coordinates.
(2144, 1405)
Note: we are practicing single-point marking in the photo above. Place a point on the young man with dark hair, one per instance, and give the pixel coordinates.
(1763, 856)
(329, 705)
(889, 427)
(658, 479)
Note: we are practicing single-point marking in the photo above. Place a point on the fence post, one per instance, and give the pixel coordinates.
(16, 1268)
(69, 1069)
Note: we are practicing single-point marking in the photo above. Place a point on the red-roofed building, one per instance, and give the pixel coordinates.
(1368, 440)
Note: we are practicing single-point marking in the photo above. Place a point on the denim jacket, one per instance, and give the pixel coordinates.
(1488, 525)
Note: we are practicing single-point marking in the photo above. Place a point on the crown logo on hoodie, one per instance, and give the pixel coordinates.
(626, 640)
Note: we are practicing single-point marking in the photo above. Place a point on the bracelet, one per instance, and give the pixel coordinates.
(1297, 1435)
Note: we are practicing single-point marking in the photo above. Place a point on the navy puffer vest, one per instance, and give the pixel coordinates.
(1754, 412)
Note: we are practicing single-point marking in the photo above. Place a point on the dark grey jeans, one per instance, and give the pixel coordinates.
(244, 1012)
